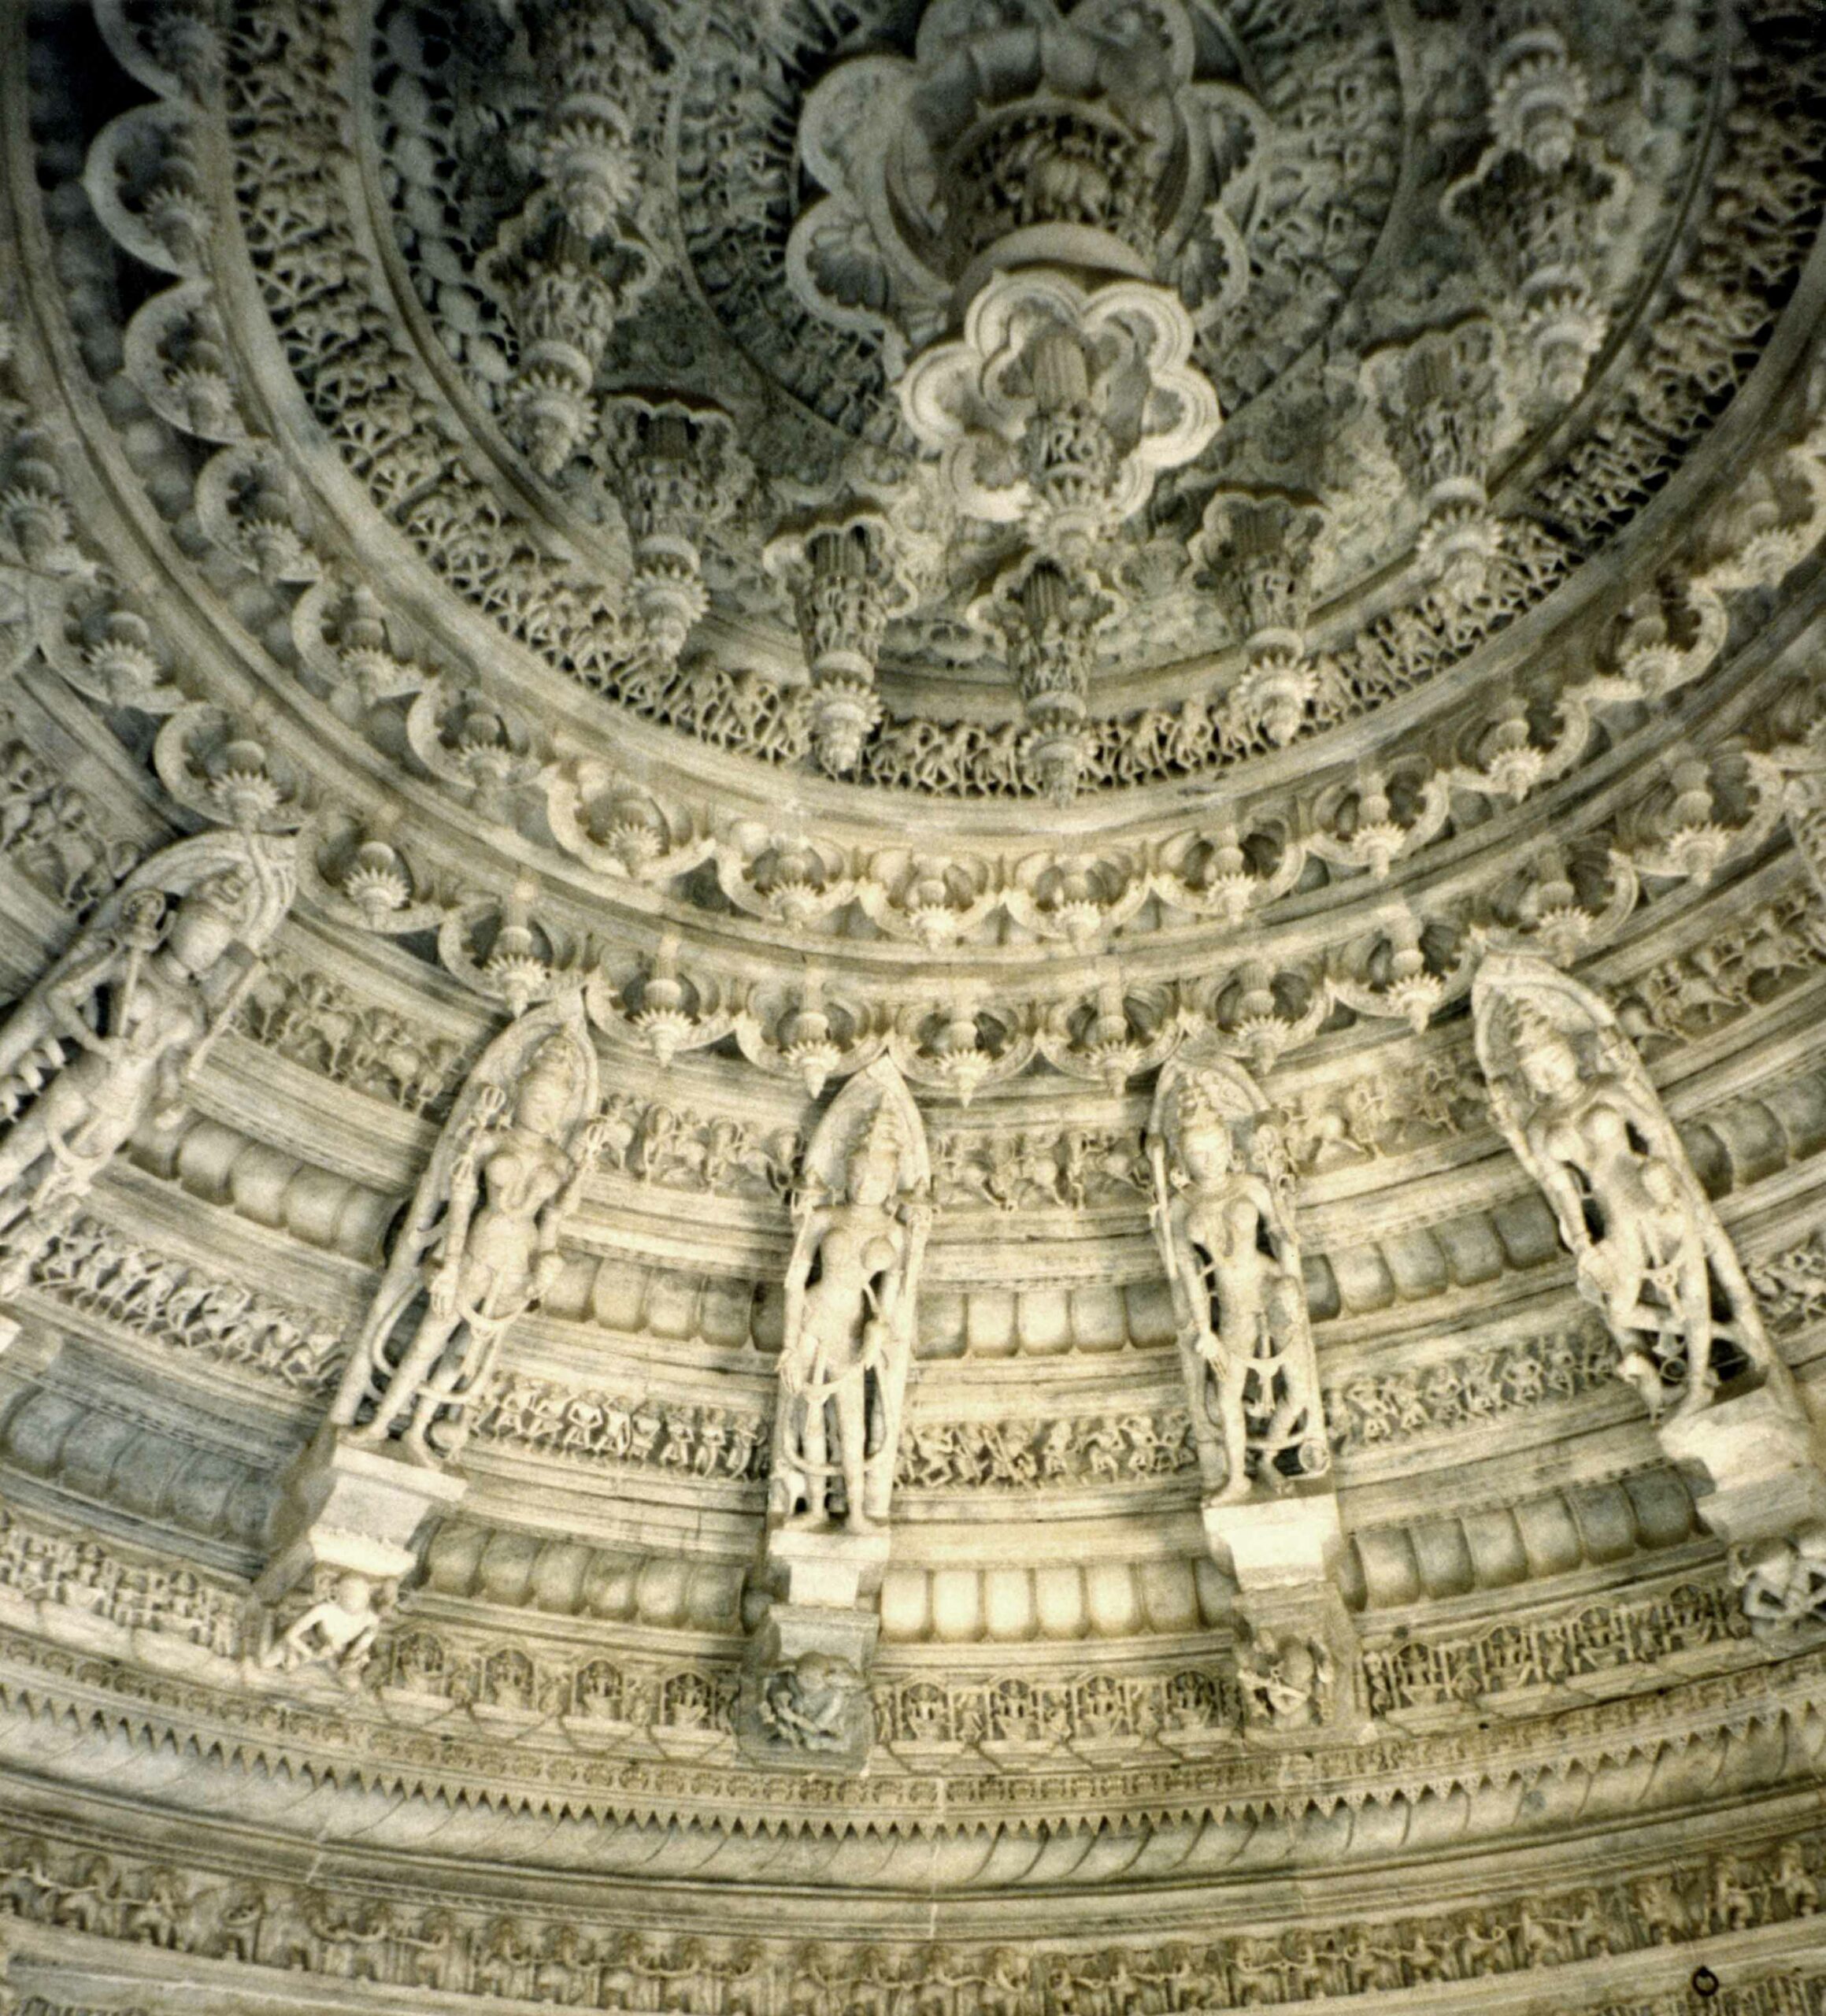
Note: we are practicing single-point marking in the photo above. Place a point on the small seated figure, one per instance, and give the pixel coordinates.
(808, 1704)
(1782, 1583)
(337, 1631)
(1287, 1681)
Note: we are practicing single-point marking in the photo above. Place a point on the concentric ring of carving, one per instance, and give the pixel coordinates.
(679, 534)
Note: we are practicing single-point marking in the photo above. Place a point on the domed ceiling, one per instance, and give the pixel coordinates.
(916, 919)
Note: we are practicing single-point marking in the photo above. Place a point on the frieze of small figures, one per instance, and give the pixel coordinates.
(1743, 962)
(1373, 1409)
(1439, 1097)
(454, 1948)
(423, 1664)
(1073, 1169)
(1605, 1638)
(1015, 1713)
(716, 1441)
(93, 1270)
(317, 1020)
(1799, 1993)
(677, 1148)
(1791, 1286)
(50, 830)
(43, 1565)
(1097, 1449)
(589, 1426)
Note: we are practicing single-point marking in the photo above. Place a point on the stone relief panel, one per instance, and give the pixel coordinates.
(481, 1244)
(309, 1016)
(455, 1949)
(43, 1565)
(1373, 1409)
(115, 1031)
(95, 1271)
(1602, 1642)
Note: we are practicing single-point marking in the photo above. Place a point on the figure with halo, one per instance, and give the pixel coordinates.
(1223, 1222)
(1571, 1095)
(863, 1214)
(115, 1031)
(480, 1245)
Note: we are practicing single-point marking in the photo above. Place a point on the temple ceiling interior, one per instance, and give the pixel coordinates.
(916, 923)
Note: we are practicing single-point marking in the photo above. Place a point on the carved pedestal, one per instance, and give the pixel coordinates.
(805, 1695)
(1297, 1663)
(1754, 1463)
(353, 1511)
(1276, 1543)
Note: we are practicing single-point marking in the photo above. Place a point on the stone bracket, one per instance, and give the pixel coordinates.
(1754, 1463)
(805, 1702)
(1276, 1543)
(353, 1509)
(1298, 1669)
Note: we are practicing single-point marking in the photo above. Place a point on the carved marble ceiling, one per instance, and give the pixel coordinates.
(916, 919)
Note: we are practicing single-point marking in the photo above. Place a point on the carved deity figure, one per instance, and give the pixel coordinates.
(863, 1216)
(1223, 1221)
(116, 1030)
(1286, 1681)
(1782, 1583)
(480, 1245)
(1572, 1096)
(337, 1631)
(809, 1705)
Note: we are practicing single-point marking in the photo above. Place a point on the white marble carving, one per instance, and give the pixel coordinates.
(480, 1243)
(114, 1034)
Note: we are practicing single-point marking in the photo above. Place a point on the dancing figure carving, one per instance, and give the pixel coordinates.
(115, 1031)
(1222, 1219)
(1571, 1095)
(480, 1246)
(863, 1216)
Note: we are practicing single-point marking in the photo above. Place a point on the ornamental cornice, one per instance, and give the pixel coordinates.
(1743, 1900)
(1212, 1781)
